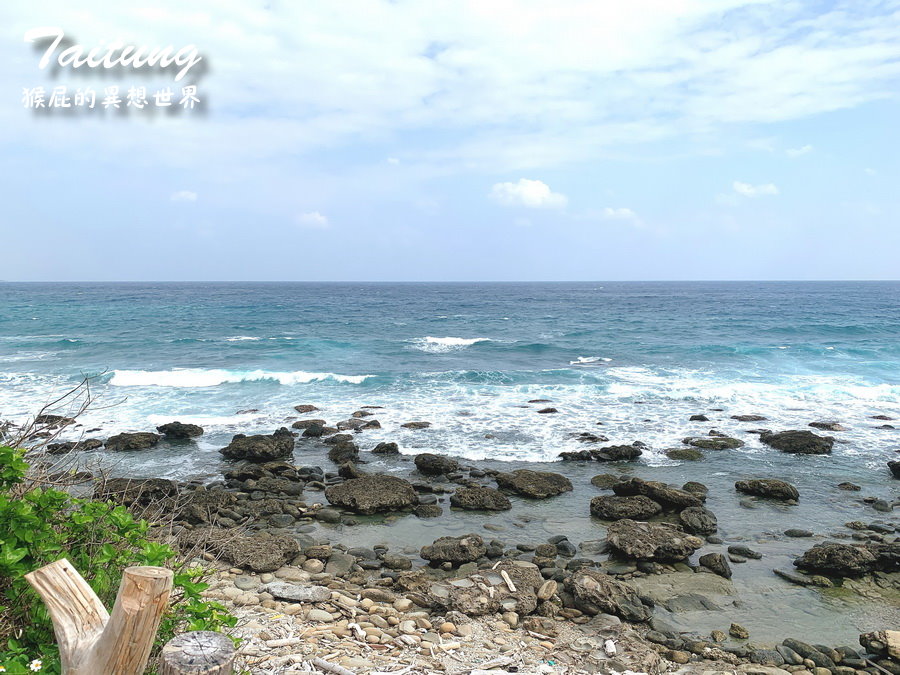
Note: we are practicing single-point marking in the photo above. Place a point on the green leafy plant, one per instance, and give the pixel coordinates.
(40, 524)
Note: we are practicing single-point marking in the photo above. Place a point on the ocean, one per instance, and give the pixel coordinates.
(631, 361)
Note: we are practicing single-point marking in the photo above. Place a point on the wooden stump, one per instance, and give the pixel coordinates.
(198, 653)
(90, 640)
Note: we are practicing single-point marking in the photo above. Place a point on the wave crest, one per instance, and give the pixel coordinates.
(439, 345)
(199, 377)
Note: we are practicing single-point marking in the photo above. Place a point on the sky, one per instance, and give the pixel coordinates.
(457, 140)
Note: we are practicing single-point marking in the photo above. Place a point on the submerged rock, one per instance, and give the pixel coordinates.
(636, 507)
(798, 442)
(455, 550)
(534, 484)
(416, 425)
(595, 592)
(177, 430)
(373, 494)
(480, 499)
(617, 453)
(895, 468)
(260, 448)
(684, 454)
(828, 426)
(660, 542)
(435, 465)
(386, 448)
(768, 487)
(137, 441)
(748, 418)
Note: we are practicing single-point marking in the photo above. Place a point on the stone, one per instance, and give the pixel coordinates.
(137, 441)
(841, 560)
(260, 552)
(684, 454)
(179, 431)
(260, 448)
(661, 493)
(595, 592)
(386, 448)
(660, 542)
(295, 593)
(698, 520)
(713, 442)
(455, 550)
(617, 453)
(136, 491)
(894, 466)
(605, 481)
(744, 551)
(480, 499)
(748, 418)
(798, 442)
(738, 631)
(827, 426)
(435, 465)
(339, 564)
(771, 488)
(636, 507)
(416, 425)
(534, 484)
(373, 494)
(319, 616)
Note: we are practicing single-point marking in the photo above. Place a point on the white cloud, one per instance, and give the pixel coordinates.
(393, 160)
(621, 214)
(797, 152)
(183, 196)
(313, 219)
(532, 194)
(748, 190)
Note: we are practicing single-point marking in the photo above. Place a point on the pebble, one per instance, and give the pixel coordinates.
(319, 615)
(403, 604)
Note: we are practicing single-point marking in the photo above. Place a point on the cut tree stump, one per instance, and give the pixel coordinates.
(90, 640)
(202, 652)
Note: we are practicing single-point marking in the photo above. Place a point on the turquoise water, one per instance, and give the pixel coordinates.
(638, 357)
(463, 356)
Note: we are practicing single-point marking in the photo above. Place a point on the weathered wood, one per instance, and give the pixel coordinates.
(90, 640)
(199, 653)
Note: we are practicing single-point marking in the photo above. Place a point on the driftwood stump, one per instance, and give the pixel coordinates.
(90, 640)
(199, 653)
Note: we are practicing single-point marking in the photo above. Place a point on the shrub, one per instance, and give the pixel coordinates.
(39, 525)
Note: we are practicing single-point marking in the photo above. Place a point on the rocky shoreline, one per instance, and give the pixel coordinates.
(550, 601)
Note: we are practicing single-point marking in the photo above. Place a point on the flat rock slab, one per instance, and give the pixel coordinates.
(296, 593)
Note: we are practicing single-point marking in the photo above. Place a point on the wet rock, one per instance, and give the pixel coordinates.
(661, 493)
(744, 551)
(698, 520)
(386, 448)
(713, 443)
(372, 494)
(435, 465)
(580, 456)
(771, 488)
(339, 564)
(305, 408)
(260, 448)
(416, 425)
(137, 441)
(716, 563)
(684, 454)
(85, 445)
(850, 487)
(480, 499)
(798, 442)
(605, 481)
(455, 550)
(748, 418)
(547, 411)
(660, 542)
(595, 592)
(314, 431)
(696, 488)
(306, 424)
(837, 559)
(895, 468)
(428, 511)
(809, 652)
(617, 453)
(54, 420)
(341, 453)
(350, 470)
(698, 418)
(358, 424)
(177, 430)
(636, 507)
(828, 426)
(884, 643)
(534, 484)
(135, 491)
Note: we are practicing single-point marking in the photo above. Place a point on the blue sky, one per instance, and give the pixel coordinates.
(456, 140)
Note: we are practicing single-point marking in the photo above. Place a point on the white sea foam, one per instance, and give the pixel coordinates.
(198, 377)
(242, 338)
(589, 360)
(439, 345)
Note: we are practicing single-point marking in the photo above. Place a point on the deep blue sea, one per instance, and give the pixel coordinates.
(638, 357)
